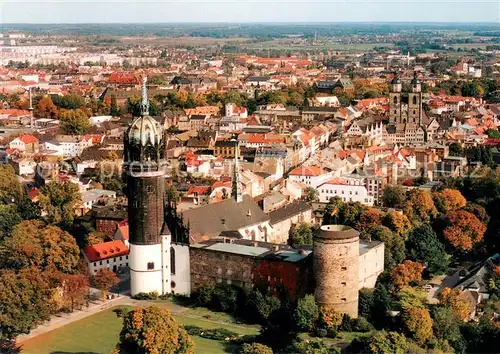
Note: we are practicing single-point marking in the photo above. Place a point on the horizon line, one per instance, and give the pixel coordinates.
(255, 22)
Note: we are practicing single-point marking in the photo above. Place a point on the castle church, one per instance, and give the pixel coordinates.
(407, 119)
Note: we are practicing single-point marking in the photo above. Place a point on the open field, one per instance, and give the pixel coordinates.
(471, 45)
(173, 41)
(283, 45)
(99, 333)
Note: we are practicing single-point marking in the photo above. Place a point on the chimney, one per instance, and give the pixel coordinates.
(300, 251)
(249, 213)
(276, 248)
(223, 221)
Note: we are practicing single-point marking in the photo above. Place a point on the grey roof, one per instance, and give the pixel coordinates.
(288, 211)
(114, 212)
(238, 249)
(228, 215)
(258, 78)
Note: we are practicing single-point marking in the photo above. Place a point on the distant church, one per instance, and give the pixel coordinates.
(407, 120)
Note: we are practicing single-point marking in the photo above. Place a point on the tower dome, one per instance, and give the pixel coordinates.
(145, 131)
(143, 142)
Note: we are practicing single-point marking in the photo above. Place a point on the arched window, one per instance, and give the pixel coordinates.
(395, 99)
(414, 99)
(172, 260)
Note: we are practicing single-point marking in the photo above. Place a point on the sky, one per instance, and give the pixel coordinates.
(237, 11)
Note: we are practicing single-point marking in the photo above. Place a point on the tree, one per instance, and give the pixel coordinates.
(447, 327)
(380, 342)
(329, 318)
(153, 330)
(456, 149)
(456, 302)
(462, 229)
(418, 323)
(350, 213)
(394, 197)
(306, 313)
(367, 220)
(114, 109)
(255, 348)
(75, 288)
(29, 210)
(9, 217)
(449, 199)
(493, 133)
(424, 246)
(47, 108)
(74, 122)
(46, 247)
(300, 234)
(420, 206)
(407, 273)
(10, 188)
(262, 305)
(470, 89)
(24, 301)
(412, 297)
(105, 279)
(59, 201)
(394, 244)
(311, 195)
(397, 222)
(316, 346)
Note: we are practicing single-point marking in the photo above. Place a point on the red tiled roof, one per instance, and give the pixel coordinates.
(198, 189)
(124, 231)
(33, 193)
(307, 171)
(105, 250)
(28, 139)
(337, 181)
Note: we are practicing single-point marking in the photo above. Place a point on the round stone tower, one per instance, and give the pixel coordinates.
(336, 268)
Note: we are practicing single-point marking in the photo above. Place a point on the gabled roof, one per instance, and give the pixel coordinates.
(28, 139)
(105, 250)
(307, 171)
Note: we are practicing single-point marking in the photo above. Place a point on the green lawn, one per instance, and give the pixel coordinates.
(98, 334)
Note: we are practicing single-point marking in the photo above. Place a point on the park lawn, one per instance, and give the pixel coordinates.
(98, 334)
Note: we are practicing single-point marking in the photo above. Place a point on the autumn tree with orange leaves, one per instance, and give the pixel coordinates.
(367, 220)
(75, 288)
(449, 199)
(418, 323)
(329, 318)
(407, 273)
(47, 108)
(420, 206)
(462, 229)
(397, 222)
(456, 301)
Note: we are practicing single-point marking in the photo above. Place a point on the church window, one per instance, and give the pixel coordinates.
(414, 99)
(172, 260)
(395, 112)
(414, 112)
(395, 99)
(151, 265)
(150, 189)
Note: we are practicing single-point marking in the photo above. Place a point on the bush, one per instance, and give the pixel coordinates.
(153, 295)
(255, 348)
(121, 312)
(321, 332)
(165, 297)
(218, 334)
(361, 324)
(193, 330)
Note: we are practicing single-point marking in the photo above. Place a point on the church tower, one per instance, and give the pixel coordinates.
(415, 101)
(395, 100)
(144, 168)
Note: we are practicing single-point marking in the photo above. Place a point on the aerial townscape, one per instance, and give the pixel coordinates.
(253, 188)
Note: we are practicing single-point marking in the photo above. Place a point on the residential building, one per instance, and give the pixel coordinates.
(112, 255)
